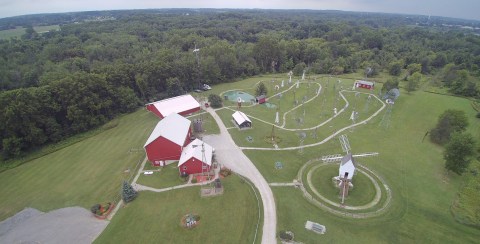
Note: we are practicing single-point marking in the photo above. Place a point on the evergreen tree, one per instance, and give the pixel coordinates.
(128, 193)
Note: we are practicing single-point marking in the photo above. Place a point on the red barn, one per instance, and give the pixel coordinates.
(167, 139)
(182, 105)
(193, 161)
(363, 84)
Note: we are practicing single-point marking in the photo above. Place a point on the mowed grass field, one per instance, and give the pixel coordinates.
(414, 170)
(19, 31)
(155, 217)
(88, 172)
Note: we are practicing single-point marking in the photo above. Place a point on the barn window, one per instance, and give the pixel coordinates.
(184, 167)
(204, 167)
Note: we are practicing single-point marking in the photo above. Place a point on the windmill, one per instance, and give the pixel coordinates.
(368, 71)
(347, 166)
(196, 51)
(277, 118)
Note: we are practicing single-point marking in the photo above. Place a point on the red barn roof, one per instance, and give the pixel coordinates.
(182, 105)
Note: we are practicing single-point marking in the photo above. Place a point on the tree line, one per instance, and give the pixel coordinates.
(63, 82)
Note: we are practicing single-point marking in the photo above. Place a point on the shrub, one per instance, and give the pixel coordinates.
(225, 172)
(95, 208)
(215, 101)
(285, 235)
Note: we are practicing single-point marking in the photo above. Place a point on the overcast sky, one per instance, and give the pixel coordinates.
(465, 9)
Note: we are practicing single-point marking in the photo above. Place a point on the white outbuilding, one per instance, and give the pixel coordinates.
(241, 119)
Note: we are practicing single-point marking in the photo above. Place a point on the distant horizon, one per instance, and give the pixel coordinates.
(459, 9)
(206, 8)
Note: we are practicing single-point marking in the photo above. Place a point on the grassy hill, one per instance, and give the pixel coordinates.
(85, 173)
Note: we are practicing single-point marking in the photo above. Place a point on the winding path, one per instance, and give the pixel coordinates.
(233, 158)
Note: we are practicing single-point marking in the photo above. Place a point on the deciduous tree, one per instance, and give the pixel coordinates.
(458, 152)
(450, 121)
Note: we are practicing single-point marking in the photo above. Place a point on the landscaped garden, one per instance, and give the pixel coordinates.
(422, 191)
(156, 217)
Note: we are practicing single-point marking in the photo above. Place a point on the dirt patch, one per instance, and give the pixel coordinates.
(66, 225)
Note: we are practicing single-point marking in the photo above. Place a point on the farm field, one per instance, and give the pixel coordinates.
(19, 31)
(155, 217)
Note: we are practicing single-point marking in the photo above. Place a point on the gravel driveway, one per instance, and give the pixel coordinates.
(228, 154)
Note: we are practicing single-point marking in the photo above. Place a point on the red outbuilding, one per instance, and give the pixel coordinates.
(261, 99)
(196, 158)
(182, 105)
(363, 84)
(167, 140)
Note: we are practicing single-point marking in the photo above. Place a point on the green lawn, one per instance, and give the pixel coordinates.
(414, 170)
(155, 217)
(167, 176)
(209, 124)
(85, 173)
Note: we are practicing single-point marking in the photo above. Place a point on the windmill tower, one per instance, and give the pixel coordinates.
(196, 51)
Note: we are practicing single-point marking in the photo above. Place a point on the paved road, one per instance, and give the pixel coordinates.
(65, 225)
(232, 157)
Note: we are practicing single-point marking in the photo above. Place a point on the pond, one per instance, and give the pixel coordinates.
(234, 95)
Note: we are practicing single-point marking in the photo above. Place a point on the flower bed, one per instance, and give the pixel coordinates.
(101, 211)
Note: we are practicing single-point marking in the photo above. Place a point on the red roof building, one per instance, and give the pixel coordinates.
(167, 140)
(363, 84)
(182, 105)
(193, 160)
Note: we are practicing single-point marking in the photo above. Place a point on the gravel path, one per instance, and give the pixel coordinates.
(66, 225)
(233, 158)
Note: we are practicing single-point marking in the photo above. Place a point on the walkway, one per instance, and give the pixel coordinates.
(233, 158)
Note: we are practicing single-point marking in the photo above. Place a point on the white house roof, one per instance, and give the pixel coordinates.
(240, 117)
(194, 149)
(364, 82)
(347, 165)
(173, 127)
(176, 104)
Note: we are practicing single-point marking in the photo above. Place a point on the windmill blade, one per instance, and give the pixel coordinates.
(332, 158)
(345, 143)
(368, 154)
